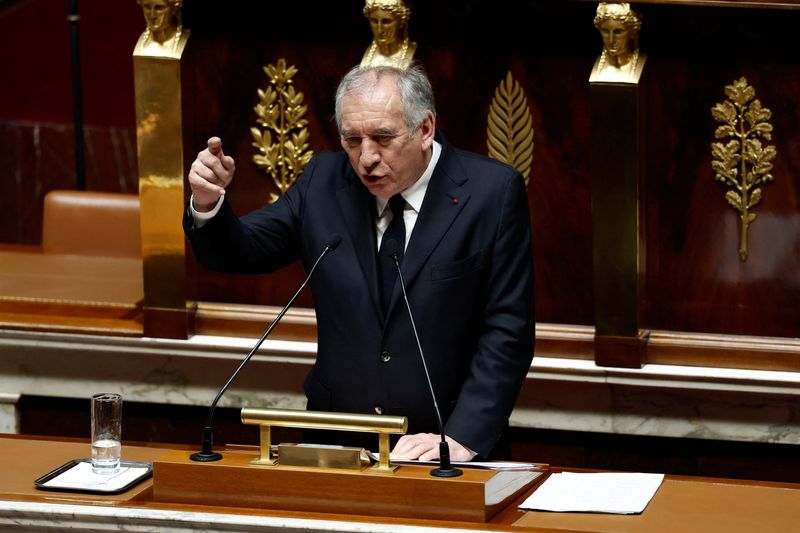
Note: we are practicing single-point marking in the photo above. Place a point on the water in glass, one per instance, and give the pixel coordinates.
(105, 456)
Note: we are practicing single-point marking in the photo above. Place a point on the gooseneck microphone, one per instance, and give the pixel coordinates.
(208, 454)
(445, 469)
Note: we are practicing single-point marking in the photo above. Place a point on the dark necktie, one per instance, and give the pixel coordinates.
(395, 232)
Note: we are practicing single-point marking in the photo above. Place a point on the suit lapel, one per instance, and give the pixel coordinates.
(444, 200)
(358, 207)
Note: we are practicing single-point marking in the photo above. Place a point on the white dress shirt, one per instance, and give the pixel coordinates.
(413, 196)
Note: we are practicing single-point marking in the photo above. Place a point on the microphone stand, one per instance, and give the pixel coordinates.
(445, 468)
(207, 454)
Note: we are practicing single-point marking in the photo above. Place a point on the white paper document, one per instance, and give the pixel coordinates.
(602, 492)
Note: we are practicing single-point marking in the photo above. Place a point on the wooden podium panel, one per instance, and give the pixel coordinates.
(408, 492)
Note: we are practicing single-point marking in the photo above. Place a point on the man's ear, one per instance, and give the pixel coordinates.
(428, 130)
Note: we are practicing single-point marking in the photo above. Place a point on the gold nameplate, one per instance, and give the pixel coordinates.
(320, 455)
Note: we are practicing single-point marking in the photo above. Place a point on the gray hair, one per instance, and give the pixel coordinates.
(415, 89)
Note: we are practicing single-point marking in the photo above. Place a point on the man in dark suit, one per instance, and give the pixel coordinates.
(459, 223)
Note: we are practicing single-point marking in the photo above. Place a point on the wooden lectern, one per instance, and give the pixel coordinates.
(408, 492)
(253, 479)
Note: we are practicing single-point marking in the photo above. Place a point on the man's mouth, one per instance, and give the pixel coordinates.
(372, 179)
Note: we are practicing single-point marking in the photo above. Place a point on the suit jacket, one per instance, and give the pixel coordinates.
(469, 274)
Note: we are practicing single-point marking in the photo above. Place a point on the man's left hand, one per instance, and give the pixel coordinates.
(425, 447)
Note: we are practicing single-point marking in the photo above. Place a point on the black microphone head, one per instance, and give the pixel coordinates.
(392, 247)
(333, 242)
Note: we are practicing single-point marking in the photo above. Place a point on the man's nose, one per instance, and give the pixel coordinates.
(370, 156)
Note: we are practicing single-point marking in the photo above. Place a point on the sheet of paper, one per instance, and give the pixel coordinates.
(81, 477)
(602, 492)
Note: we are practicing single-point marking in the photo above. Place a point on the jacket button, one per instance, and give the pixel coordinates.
(386, 356)
(378, 410)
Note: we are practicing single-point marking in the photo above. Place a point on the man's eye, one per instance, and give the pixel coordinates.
(352, 141)
(384, 139)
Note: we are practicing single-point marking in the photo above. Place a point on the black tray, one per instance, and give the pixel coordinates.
(40, 483)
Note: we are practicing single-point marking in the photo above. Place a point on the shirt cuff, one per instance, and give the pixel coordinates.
(200, 219)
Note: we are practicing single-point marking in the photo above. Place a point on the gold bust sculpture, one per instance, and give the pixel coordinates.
(164, 35)
(620, 60)
(390, 45)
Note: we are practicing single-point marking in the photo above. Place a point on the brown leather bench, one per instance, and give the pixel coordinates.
(91, 223)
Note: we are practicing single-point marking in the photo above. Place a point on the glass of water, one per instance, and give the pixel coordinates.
(106, 432)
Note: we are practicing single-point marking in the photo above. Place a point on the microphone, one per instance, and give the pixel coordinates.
(445, 469)
(208, 454)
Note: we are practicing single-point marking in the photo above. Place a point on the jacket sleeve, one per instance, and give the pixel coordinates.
(262, 241)
(505, 347)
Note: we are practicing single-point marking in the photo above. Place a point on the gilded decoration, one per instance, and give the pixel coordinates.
(157, 60)
(742, 163)
(164, 35)
(620, 61)
(388, 20)
(283, 144)
(510, 130)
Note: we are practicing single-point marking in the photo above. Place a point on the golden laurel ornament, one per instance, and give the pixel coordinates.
(283, 144)
(743, 163)
(510, 130)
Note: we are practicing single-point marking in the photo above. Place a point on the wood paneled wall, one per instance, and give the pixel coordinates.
(694, 280)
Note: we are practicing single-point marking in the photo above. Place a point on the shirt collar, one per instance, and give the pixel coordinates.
(415, 194)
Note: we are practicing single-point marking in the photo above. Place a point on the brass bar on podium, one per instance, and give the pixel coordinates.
(383, 425)
(265, 457)
(159, 135)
